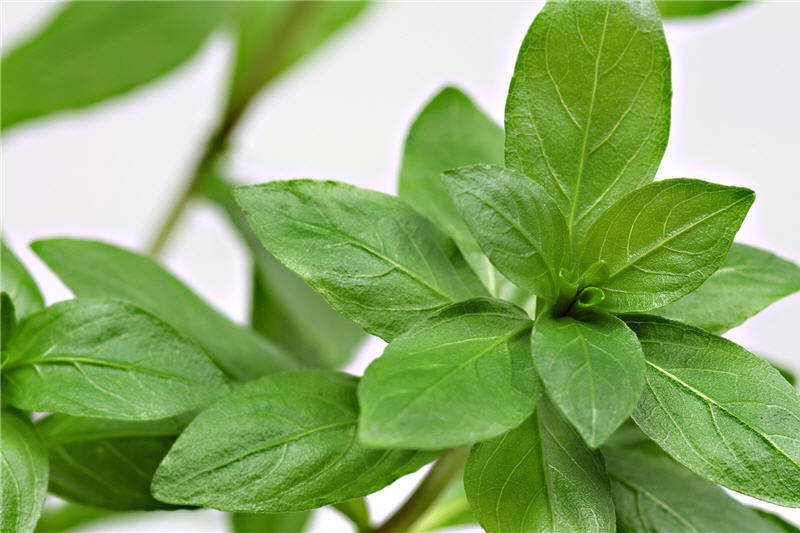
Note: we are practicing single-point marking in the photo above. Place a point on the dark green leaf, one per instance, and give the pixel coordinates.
(694, 8)
(106, 359)
(719, 410)
(18, 283)
(285, 309)
(271, 36)
(516, 223)
(94, 50)
(437, 142)
(23, 476)
(587, 114)
(107, 463)
(8, 320)
(270, 522)
(663, 241)
(463, 375)
(539, 477)
(93, 269)
(654, 494)
(592, 368)
(376, 260)
(777, 522)
(283, 443)
(748, 281)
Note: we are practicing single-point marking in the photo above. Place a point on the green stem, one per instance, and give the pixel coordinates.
(356, 511)
(449, 464)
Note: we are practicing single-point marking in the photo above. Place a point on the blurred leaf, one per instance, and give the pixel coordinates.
(69, 516)
(284, 308)
(779, 523)
(23, 476)
(240, 352)
(451, 509)
(692, 8)
(8, 319)
(92, 51)
(18, 283)
(107, 463)
(269, 522)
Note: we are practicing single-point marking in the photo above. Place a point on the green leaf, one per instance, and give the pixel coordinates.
(376, 260)
(285, 309)
(463, 375)
(270, 522)
(95, 50)
(663, 241)
(106, 359)
(239, 352)
(70, 516)
(694, 8)
(587, 114)
(435, 143)
(17, 282)
(23, 476)
(748, 281)
(719, 410)
(592, 368)
(777, 522)
(271, 36)
(8, 320)
(654, 494)
(516, 223)
(451, 509)
(282, 443)
(539, 477)
(107, 463)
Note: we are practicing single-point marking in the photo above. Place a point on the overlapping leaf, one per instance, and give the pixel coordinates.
(663, 241)
(376, 260)
(719, 410)
(539, 477)
(282, 443)
(463, 375)
(106, 359)
(18, 284)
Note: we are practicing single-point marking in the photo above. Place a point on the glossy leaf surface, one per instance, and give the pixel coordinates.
(376, 260)
(663, 241)
(463, 375)
(279, 444)
(126, 275)
(106, 359)
(539, 477)
(587, 114)
(719, 410)
(592, 369)
(748, 281)
(517, 224)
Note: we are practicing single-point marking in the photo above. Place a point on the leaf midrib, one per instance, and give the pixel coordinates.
(655, 499)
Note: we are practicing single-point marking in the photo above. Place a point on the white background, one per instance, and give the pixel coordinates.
(113, 171)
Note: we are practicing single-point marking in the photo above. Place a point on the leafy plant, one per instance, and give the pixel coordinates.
(551, 315)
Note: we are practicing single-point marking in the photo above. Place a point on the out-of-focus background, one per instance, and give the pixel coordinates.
(113, 170)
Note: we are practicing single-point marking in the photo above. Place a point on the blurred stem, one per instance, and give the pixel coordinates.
(356, 511)
(261, 72)
(448, 466)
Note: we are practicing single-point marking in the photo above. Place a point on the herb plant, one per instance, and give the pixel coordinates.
(551, 313)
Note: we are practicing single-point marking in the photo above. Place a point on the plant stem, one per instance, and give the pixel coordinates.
(444, 470)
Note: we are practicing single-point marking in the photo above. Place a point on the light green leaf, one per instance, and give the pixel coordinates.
(463, 375)
(376, 260)
(694, 8)
(451, 509)
(107, 463)
(284, 308)
(516, 223)
(71, 516)
(95, 50)
(587, 114)
(437, 142)
(719, 410)
(539, 477)
(592, 368)
(271, 36)
(23, 473)
(282, 443)
(18, 283)
(270, 522)
(654, 494)
(106, 359)
(663, 241)
(748, 281)
(93, 269)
